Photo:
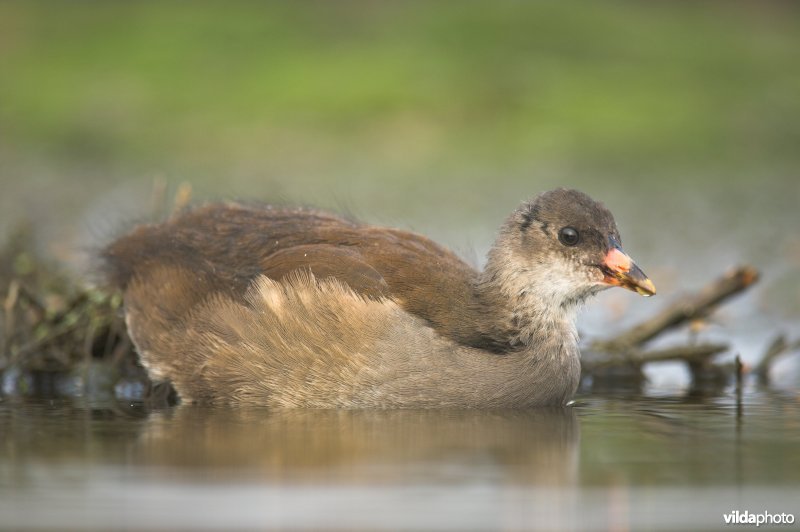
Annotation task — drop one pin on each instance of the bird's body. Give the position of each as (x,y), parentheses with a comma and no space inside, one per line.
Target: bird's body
(300,308)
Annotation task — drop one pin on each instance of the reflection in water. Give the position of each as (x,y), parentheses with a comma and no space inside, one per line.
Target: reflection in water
(533,446)
(286,468)
(645,463)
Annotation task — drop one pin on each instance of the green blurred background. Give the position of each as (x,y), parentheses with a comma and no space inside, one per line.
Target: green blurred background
(683,117)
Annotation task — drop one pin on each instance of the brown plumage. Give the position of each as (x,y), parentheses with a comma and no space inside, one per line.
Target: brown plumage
(296,307)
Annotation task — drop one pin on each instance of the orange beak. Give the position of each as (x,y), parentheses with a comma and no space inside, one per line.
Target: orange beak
(620,270)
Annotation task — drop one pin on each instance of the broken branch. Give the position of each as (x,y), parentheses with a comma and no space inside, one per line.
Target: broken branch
(689,308)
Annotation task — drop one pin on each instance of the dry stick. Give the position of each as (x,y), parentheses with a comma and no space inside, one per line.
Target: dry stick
(8,305)
(686,353)
(33,300)
(778,347)
(8,310)
(59,327)
(183,196)
(689,308)
(58,331)
(689,353)
(121,350)
(739,367)
(111,336)
(17,293)
(88,341)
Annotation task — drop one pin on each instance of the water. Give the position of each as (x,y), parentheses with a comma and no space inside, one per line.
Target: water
(606,463)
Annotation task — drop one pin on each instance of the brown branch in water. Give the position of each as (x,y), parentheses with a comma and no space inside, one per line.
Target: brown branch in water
(688,308)
(625,349)
(8,310)
(778,347)
(688,353)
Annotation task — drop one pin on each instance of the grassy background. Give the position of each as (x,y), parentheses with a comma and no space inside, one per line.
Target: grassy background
(682,116)
(612,85)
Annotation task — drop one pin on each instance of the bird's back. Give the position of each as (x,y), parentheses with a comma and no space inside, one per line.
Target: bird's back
(227,246)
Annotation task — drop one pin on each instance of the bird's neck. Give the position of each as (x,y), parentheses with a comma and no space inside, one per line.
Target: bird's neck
(526,302)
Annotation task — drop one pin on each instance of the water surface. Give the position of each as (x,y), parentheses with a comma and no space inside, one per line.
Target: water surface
(618,463)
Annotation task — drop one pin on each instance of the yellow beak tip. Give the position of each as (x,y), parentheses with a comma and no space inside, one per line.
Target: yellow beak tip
(646,288)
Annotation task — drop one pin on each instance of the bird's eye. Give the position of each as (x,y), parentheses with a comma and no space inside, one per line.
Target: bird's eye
(569,236)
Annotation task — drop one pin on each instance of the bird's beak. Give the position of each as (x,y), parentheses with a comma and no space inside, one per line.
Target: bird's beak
(620,270)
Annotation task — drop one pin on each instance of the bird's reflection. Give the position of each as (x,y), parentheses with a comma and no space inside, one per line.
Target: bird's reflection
(529,446)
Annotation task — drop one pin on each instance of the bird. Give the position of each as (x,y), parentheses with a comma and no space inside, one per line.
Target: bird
(249,304)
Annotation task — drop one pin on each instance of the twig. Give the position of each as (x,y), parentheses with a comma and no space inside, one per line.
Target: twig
(58,331)
(778,347)
(691,307)
(183,196)
(8,309)
(121,351)
(33,300)
(689,353)
(686,353)
(739,367)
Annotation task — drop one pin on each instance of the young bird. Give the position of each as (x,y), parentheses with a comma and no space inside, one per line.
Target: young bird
(290,307)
